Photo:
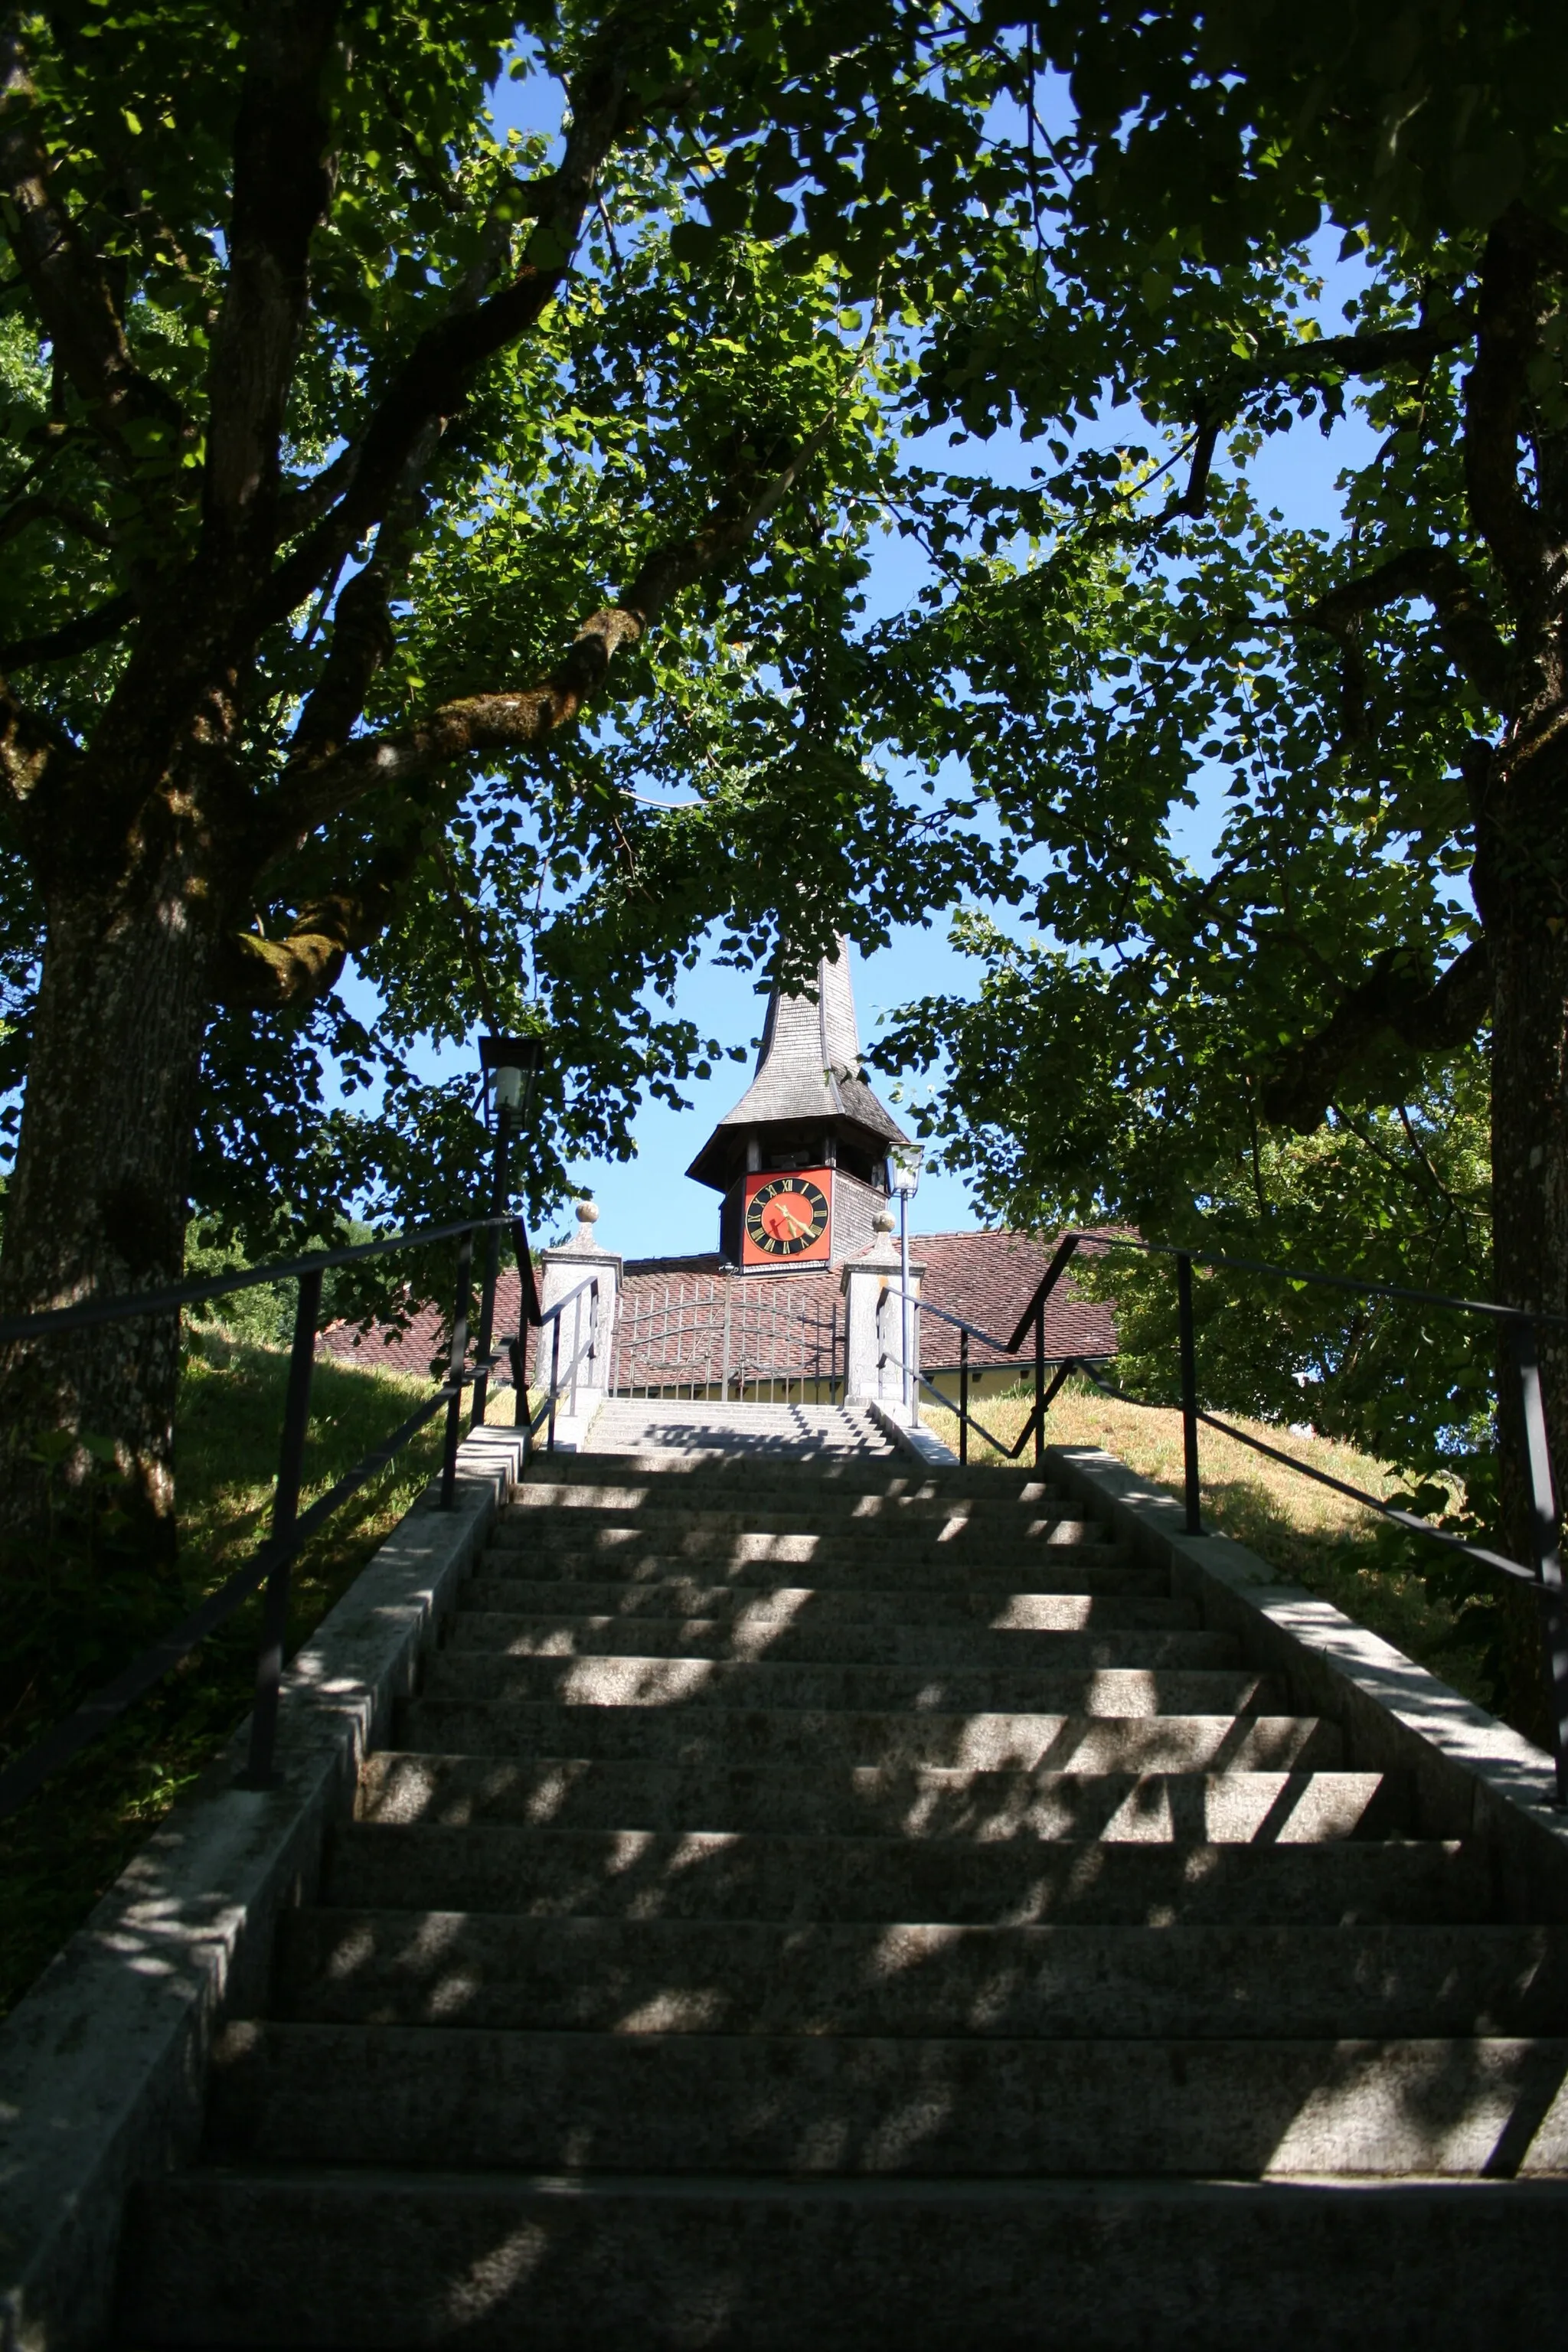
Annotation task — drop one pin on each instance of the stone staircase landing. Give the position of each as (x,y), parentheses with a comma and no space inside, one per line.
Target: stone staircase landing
(647,1426)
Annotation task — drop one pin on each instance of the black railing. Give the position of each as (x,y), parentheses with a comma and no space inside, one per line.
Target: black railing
(1546,1576)
(560,1383)
(722,1335)
(1034,1426)
(291,1529)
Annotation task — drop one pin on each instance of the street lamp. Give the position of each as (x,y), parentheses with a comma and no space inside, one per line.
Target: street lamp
(904,1178)
(514,1065)
(510,1070)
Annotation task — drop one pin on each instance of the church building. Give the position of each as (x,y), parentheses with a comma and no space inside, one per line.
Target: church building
(800,1166)
(800,1170)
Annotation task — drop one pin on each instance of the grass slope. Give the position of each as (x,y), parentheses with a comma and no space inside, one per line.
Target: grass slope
(69,1845)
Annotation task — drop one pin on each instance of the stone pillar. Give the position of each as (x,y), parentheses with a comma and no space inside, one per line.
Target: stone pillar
(874,1325)
(561,1271)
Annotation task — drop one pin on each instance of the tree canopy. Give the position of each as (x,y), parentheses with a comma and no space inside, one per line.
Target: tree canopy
(512,376)
(1376,702)
(1284,1040)
(401,511)
(398,507)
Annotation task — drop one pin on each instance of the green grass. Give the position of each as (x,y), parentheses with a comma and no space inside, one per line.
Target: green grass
(71,1841)
(1311,1536)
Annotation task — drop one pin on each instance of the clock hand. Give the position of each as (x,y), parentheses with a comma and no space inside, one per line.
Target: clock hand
(796,1224)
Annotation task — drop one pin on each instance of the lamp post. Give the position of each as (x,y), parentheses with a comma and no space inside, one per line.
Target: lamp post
(903,1177)
(514,1064)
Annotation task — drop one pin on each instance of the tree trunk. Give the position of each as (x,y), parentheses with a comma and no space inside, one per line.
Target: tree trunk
(97,1207)
(1528,937)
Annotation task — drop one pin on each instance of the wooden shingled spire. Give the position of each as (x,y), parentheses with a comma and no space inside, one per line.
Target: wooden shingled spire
(808,1091)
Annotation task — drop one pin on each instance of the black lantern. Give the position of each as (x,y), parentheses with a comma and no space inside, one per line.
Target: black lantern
(511,1064)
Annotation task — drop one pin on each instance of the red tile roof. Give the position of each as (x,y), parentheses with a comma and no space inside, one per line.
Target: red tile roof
(673,1313)
(986,1279)
(418,1350)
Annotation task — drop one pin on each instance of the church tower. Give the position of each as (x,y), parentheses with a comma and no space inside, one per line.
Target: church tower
(799,1160)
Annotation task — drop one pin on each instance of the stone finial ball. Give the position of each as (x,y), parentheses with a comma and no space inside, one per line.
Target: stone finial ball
(882,1223)
(587,1213)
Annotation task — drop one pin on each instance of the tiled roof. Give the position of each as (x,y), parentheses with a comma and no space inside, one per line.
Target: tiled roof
(986,1279)
(636,1269)
(425,1345)
(417,1349)
(673,1309)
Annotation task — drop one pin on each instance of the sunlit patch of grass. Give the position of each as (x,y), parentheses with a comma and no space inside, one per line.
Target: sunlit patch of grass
(69,1844)
(1311,1535)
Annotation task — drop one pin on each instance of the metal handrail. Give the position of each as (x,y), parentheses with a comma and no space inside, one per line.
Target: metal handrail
(967,1420)
(923,1306)
(1546,1574)
(1491,1307)
(1072,1241)
(559,1380)
(958,1323)
(972,1421)
(1320,1478)
(218,1285)
(291,1529)
(589,1282)
(1063,1366)
(21,1780)
(1035,1311)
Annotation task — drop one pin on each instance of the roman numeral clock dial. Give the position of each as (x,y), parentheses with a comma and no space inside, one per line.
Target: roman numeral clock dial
(786,1217)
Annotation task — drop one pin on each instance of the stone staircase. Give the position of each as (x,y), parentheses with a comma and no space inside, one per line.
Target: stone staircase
(827,1906)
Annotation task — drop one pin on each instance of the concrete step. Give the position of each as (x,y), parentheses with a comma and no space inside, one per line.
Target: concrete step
(900,1476)
(913,1802)
(786,1501)
(872,2104)
(891,1919)
(1091,1569)
(737,1414)
(818,1559)
(714,1874)
(357,2260)
(828,1979)
(641,1681)
(726,1535)
(775,1635)
(783,1503)
(721,1736)
(993,1609)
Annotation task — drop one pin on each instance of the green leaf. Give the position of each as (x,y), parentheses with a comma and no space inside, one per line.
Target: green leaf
(1487,180)
(694,243)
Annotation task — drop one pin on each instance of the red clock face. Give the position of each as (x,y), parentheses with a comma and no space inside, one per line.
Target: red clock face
(786,1218)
